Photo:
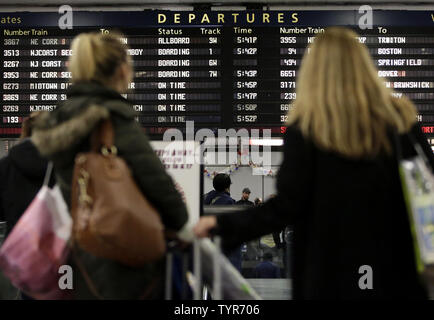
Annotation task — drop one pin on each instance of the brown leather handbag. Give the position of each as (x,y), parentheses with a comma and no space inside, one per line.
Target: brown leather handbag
(111,217)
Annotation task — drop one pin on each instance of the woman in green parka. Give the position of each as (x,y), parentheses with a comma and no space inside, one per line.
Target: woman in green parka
(101,70)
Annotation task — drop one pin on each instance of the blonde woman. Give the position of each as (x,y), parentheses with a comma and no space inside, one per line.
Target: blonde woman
(101,70)
(338,186)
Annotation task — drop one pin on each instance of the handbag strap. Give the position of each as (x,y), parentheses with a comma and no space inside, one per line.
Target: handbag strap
(102,136)
(419,150)
(397,143)
(48,173)
(415,144)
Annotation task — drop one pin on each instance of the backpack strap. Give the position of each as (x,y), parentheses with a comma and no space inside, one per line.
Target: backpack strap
(103,137)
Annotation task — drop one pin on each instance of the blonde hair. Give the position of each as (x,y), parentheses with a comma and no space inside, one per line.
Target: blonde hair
(96,56)
(342,105)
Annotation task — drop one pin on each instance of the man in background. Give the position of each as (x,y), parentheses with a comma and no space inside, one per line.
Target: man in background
(221,196)
(245,198)
(258,202)
(221,193)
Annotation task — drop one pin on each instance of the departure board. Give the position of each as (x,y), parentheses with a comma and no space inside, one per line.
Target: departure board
(229,69)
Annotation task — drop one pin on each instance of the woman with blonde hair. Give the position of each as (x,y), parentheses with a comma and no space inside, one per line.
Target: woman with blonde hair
(338,186)
(101,71)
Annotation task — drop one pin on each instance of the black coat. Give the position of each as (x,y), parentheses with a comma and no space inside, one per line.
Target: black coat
(245,203)
(345,214)
(22,174)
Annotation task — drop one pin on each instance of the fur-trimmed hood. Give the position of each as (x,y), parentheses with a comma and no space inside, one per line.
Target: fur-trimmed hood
(86,106)
(57,138)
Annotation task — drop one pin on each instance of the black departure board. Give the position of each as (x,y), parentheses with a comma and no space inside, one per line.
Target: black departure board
(229,69)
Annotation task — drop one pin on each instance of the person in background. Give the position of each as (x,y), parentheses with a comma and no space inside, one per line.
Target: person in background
(101,71)
(258,202)
(22,174)
(267,269)
(221,193)
(278,239)
(338,186)
(245,198)
(221,196)
(245,202)
(270,241)
(253,248)
(280,246)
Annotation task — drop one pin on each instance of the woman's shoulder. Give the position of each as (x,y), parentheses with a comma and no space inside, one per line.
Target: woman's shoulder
(83,95)
(58,130)
(74,119)
(120,108)
(95,106)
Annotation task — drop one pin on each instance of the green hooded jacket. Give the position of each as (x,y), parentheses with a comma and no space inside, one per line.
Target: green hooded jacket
(61,134)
